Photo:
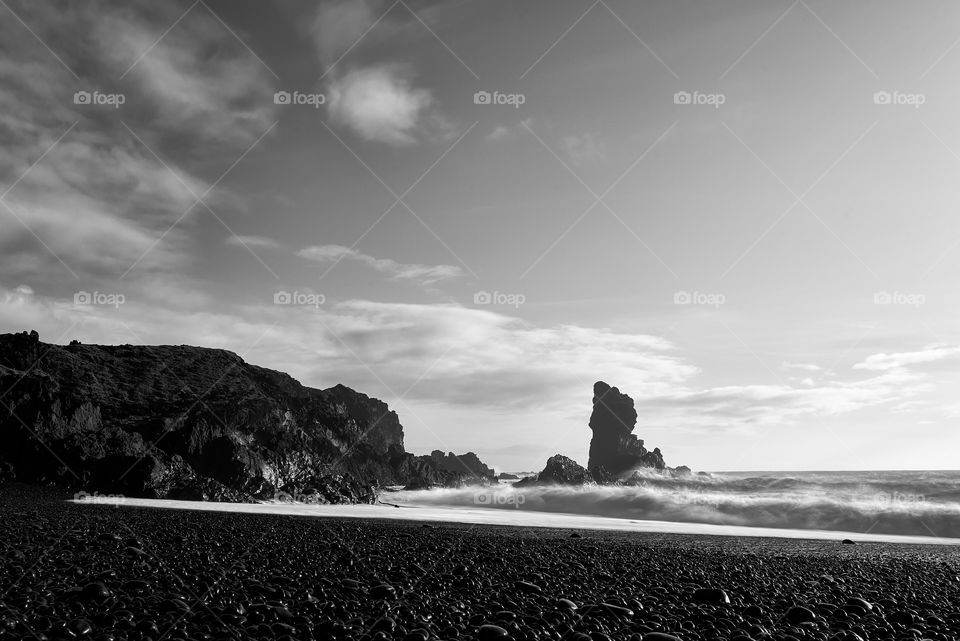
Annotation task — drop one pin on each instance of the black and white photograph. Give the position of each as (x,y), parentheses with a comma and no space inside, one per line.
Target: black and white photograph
(479,320)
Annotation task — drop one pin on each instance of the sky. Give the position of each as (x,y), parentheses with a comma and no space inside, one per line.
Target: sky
(744,214)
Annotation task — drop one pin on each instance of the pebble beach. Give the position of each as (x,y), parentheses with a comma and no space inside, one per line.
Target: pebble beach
(73,571)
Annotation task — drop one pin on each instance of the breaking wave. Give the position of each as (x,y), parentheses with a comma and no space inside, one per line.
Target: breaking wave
(899,503)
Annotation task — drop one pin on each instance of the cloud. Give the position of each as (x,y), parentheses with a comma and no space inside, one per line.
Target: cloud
(883,362)
(503,132)
(92,200)
(777,404)
(448,354)
(583,149)
(424,274)
(198,81)
(459,358)
(498,133)
(380,104)
(253,241)
(376,98)
(806,367)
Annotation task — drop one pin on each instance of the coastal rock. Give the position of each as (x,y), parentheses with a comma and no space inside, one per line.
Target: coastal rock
(469,465)
(196,423)
(614,447)
(560,470)
(614,450)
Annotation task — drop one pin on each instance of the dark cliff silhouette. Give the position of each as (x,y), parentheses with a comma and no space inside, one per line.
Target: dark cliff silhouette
(197,423)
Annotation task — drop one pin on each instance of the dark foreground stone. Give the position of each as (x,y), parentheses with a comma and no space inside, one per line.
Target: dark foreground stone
(105,572)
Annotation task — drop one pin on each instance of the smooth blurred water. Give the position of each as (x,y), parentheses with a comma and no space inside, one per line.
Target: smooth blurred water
(898,503)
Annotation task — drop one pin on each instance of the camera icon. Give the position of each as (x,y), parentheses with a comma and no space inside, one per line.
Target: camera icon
(882,298)
(281,98)
(681,298)
(882,98)
(482,98)
(81,98)
(282,298)
(682,98)
(482,298)
(82,298)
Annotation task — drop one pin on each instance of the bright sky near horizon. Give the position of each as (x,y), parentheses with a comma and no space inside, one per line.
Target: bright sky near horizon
(744,214)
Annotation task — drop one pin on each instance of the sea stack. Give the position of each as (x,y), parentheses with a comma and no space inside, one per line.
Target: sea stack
(614,449)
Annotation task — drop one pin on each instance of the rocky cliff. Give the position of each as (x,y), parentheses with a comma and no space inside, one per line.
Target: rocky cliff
(191,422)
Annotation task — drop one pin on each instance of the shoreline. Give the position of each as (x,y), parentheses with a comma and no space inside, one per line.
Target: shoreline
(508,517)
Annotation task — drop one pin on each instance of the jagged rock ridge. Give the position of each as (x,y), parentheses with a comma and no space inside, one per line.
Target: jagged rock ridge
(192,422)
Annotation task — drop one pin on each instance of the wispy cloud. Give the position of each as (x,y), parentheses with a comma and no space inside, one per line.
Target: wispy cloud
(196,82)
(462,357)
(805,367)
(933,353)
(583,149)
(253,241)
(424,274)
(498,133)
(116,187)
(505,132)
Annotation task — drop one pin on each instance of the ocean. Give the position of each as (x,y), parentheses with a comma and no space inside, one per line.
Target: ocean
(914,503)
(906,507)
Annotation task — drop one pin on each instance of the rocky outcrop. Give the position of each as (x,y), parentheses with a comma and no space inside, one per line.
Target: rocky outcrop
(469,465)
(559,470)
(191,422)
(614,449)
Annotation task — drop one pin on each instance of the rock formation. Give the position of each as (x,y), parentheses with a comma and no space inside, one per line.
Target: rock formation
(198,423)
(559,470)
(614,449)
(468,464)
